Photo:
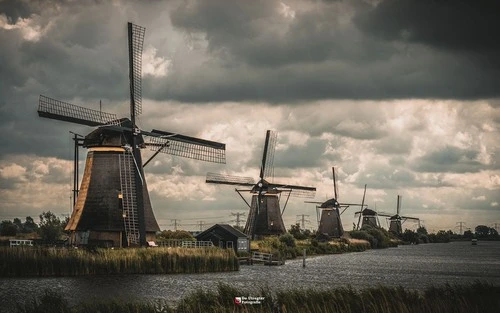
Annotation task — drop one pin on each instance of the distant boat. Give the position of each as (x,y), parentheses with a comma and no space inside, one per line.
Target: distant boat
(474,241)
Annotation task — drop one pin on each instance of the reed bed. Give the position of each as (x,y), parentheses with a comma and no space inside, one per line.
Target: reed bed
(16,262)
(473,298)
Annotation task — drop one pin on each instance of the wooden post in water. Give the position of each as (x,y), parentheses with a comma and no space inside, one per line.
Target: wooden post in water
(304,258)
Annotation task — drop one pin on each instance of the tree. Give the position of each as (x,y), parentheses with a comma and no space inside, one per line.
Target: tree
(482,230)
(51,227)
(177,235)
(29,225)
(422,230)
(298,233)
(19,224)
(7,228)
(468,234)
(410,236)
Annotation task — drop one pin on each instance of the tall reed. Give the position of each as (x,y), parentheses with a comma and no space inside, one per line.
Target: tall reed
(74,262)
(473,298)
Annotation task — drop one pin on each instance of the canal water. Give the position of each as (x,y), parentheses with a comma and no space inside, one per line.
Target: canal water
(413,267)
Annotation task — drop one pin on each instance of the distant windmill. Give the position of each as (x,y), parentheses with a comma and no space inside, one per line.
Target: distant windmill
(265,217)
(330,224)
(396,221)
(113,205)
(367,217)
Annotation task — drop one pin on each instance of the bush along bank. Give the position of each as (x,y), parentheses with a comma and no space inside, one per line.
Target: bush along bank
(378,237)
(33,261)
(286,246)
(474,298)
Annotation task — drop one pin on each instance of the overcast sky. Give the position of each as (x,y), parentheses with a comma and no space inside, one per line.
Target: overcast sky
(400,95)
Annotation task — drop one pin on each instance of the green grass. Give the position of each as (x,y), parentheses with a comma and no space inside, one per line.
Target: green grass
(473,298)
(29,261)
(293,250)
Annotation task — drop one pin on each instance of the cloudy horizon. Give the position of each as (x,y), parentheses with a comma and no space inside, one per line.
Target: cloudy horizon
(400,95)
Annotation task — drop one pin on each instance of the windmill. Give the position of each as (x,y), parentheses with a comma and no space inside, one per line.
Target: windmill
(396,221)
(367,217)
(330,224)
(265,217)
(113,206)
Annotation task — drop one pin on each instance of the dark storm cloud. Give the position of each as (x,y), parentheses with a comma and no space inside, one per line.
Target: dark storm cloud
(15,9)
(73,59)
(449,159)
(451,25)
(258,54)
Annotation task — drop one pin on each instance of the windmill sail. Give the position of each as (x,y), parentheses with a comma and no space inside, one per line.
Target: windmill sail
(136,40)
(188,147)
(296,191)
(214,178)
(63,111)
(268,155)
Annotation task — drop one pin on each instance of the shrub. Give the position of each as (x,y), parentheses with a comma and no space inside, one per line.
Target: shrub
(288,240)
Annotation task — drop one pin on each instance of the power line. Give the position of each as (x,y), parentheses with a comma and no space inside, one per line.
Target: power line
(175,223)
(302,220)
(237,220)
(460,225)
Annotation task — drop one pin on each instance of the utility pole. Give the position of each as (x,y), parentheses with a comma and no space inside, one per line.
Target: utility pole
(302,219)
(200,223)
(175,223)
(237,220)
(460,225)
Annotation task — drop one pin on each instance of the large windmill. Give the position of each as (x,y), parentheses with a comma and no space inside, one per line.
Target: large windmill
(265,217)
(113,205)
(330,224)
(396,221)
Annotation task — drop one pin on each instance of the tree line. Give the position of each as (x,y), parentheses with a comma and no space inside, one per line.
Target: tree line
(49,229)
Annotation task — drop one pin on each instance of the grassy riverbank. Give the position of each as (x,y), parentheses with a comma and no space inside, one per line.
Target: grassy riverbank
(32,261)
(287,247)
(474,298)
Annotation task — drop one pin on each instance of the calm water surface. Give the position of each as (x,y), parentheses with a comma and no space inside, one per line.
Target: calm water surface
(414,267)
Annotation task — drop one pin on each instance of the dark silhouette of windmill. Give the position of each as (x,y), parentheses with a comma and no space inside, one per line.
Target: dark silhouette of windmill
(265,217)
(113,205)
(396,221)
(367,217)
(330,224)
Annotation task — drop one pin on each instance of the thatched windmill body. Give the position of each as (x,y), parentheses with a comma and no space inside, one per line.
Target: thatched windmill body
(113,205)
(330,223)
(265,216)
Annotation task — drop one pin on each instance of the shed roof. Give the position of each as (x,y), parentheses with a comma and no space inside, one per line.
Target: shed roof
(227,228)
